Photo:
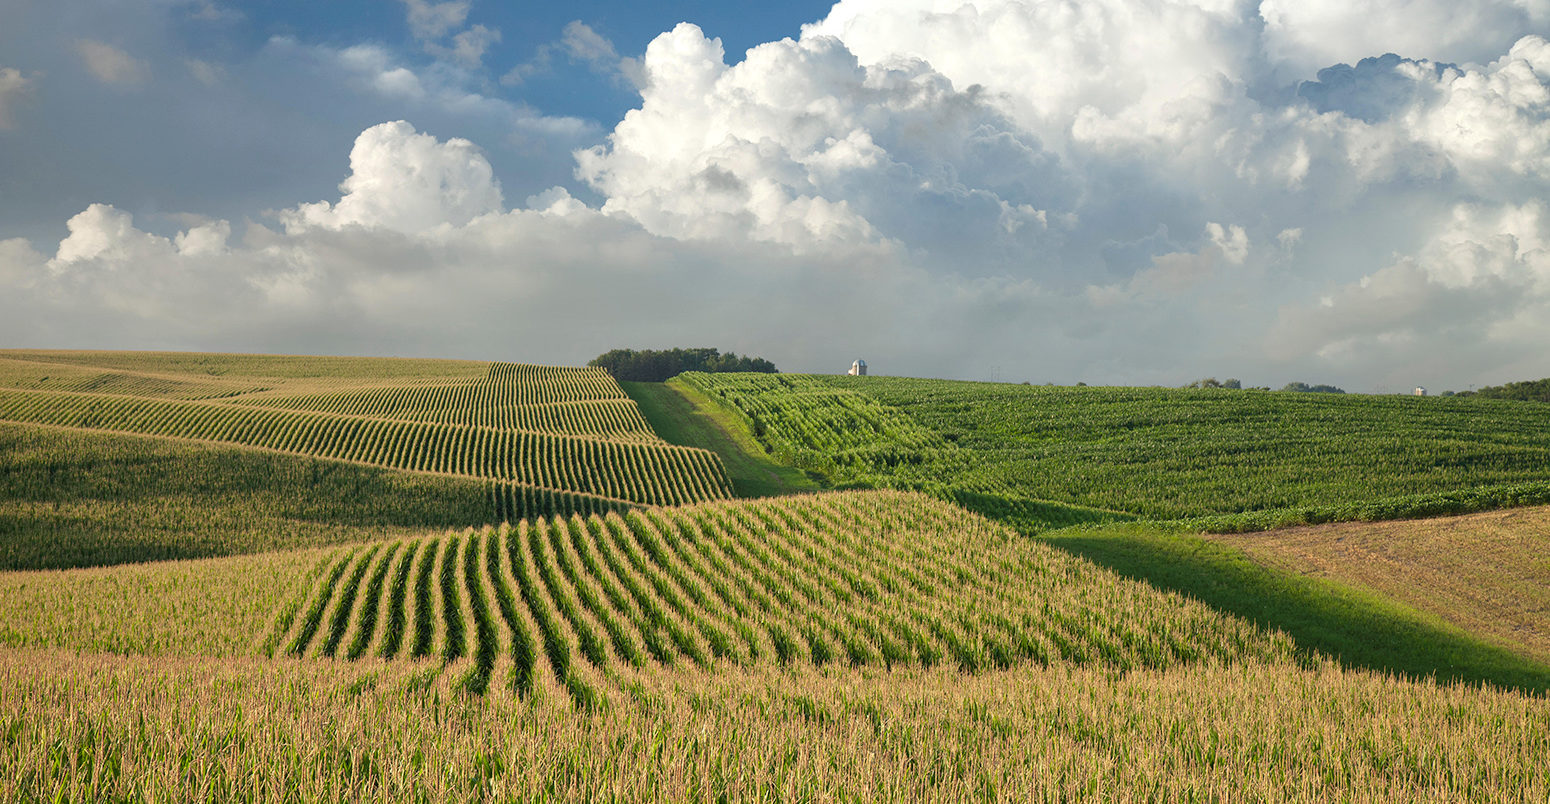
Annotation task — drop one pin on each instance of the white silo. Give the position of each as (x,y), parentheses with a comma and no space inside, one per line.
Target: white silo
(858,369)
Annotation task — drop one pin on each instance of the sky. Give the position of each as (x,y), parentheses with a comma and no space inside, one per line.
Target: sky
(1112,191)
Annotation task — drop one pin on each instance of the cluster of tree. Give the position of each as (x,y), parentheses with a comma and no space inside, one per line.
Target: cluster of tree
(1233,383)
(1527,391)
(1312,389)
(654,365)
(1212,382)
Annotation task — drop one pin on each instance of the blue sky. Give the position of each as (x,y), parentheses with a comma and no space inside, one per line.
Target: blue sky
(146,167)
(1116,191)
(525,29)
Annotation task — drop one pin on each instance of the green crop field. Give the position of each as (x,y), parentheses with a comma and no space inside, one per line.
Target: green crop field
(884,579)
(268,578)
(1153,453)
(77,498)
(877,645)
(304,450)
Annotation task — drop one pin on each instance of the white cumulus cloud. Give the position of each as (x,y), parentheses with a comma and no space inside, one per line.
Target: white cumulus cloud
(408,182)
(1310,34)
(1135,191)
(801,145)
(13,86)
(110,65)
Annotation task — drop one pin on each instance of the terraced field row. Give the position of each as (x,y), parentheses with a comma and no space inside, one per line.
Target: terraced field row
(615,419)
(852,439)
(636,473)
(814,415)
(860,578)
(269,369)
(42,376)
(1153,453)
(513,501)
(549,399)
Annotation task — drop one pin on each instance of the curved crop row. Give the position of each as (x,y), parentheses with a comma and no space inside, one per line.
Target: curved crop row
(564,401)
(20,372)
(859,578)
(1052,456)
(649,474)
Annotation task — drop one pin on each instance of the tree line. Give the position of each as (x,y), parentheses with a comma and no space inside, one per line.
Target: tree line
(654,365)
(1234,384)
(1527,391)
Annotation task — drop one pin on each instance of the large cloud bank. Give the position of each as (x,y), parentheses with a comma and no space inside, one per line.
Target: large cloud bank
(1109,191)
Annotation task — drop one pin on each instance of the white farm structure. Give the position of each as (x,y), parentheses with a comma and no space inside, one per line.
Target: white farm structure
(857,369)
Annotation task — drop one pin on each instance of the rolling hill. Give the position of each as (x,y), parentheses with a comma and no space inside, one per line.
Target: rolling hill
(1044,457)
(383,442)
(405,580)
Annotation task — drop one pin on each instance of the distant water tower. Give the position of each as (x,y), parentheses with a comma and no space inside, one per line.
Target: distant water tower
(857,369)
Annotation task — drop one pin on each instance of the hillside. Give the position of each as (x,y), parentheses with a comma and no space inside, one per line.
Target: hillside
(681,415)
(192,728)
(1485,573)
(1186,461)
(879,645)
(373,442)
(875,645)
(856,579)
(1143,452)
(80,498)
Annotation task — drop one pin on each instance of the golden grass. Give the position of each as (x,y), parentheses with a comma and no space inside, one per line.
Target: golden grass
(85,728)
(213,607)
(1488,573)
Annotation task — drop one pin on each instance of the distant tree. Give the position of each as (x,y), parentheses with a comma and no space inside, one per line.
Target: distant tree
(654,365)
(1526,391)
(1303,387)
(1212,382)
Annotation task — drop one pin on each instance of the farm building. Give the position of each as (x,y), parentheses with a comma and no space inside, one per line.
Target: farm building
(857,369)
(1420,391)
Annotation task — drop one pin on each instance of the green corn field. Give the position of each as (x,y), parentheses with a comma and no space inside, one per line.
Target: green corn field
(271,578)
(461,443)
(854,579)
(1046,457)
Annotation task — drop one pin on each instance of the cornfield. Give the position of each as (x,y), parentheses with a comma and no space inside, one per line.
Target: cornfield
(94,728)
(555,440)
(598,623)
(853,579)
(1048,457)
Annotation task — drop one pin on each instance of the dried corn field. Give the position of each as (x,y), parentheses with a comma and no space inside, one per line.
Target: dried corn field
(859,645)
(94,728)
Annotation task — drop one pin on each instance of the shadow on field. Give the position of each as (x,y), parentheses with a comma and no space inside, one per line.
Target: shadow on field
(1358,628)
